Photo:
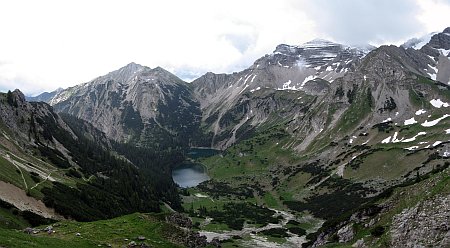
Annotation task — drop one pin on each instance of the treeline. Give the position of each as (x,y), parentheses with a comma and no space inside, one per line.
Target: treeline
(115,186)
(346,196)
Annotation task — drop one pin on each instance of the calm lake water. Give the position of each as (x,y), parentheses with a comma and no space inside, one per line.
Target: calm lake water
(191,174)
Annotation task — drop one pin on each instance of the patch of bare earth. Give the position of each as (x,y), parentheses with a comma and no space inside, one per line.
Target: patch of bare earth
(17,197)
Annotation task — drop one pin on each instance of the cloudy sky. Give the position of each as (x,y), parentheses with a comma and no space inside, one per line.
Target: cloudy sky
(49,44)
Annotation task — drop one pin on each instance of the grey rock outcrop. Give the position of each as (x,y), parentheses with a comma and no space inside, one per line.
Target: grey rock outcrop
(194,239)
(425,225)
(30,121)
(346,233)
(179,220)
(439,49)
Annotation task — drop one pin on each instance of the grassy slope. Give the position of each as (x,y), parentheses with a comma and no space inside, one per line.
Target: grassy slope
(9,220)
(10,173)
(253,162)
(113,232)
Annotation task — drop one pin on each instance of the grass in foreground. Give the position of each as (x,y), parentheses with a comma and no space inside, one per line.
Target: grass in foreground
(117,232)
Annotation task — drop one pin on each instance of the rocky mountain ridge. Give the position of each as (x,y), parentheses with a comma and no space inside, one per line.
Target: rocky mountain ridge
(354,87)
(304,68)
(134,104)
(438,48)
(218,103)
(321,129)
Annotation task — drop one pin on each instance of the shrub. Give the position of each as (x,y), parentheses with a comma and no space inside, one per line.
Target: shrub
(377,231)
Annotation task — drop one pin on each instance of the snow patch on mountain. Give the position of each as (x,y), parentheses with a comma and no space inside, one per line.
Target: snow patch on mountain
(410,121)
(434,122)
(420,111)
(436,143)
(412,148)
(394,139)
(388,119)
(253,90)
(433,73)
(308,78)
(413,138)
(437,103)
(245,87)
(444,52)
(288,86)
(386,141)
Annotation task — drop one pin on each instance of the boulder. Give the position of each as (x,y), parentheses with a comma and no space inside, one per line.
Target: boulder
(28,230)
(346,233)
(179,220)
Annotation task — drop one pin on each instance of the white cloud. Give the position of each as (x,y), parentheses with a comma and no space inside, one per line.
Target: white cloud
(57,43)
(434,14)
(49,44)
(368,21)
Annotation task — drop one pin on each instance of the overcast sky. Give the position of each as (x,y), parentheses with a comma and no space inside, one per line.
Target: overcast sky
(49,44)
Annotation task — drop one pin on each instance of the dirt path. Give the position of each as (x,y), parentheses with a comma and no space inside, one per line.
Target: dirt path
(28,166)
(46,178)
(18,168)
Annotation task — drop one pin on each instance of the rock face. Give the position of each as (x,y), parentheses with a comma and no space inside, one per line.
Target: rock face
(135,104)
(223,97)
(438,48)
(379,86)
(231,104)
(30,121)
(425,225)
(306,85)
(346,233)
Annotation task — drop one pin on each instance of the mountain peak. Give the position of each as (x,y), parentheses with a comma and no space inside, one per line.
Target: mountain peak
(312,44)
(447,30)
(132,67)
(125,73)
(18,94)
(319,43)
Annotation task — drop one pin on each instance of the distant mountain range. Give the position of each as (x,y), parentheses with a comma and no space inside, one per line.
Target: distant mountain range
(348,123)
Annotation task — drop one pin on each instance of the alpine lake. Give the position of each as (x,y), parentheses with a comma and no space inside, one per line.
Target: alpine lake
(190,174)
